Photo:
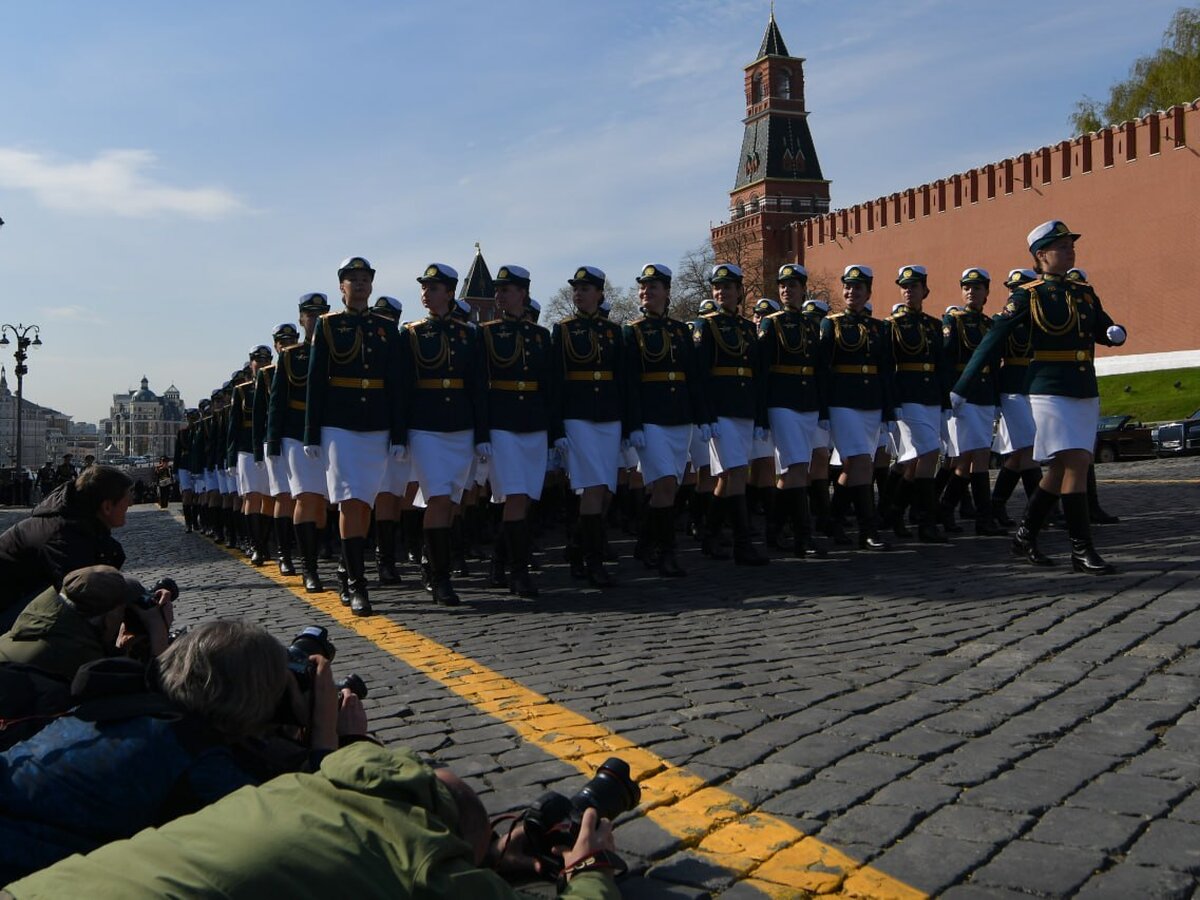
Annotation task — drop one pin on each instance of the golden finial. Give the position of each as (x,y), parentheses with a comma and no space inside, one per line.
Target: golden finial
(477,250)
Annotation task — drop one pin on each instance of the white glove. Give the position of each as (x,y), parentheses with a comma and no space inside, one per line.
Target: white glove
(714,430)
(705,432)
(483,450)
(637,439)
(1116,334)
(760,434)
(561,446)
(399,452)
(260,464)
(956,402)
(312,451)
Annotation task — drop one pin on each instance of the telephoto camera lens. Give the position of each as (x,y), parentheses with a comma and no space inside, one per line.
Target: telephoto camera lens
(357,686)
(312,641)
(611,791)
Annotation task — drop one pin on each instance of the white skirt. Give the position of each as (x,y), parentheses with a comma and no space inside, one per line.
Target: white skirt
(305,476)
(627,458)
(666,452)
(518,464)
(763,449)
(1063,423)
(919,431)
(277,476)
(971,428)
(1016,429)
(794,433)
(855,431)
(699,454)
(396,475)
(211,482)
(731,449)
(228,480)
(355,463)
(441,462)
(186,482)
(592,452)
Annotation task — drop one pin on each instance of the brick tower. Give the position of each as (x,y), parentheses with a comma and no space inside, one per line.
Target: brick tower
(779,182)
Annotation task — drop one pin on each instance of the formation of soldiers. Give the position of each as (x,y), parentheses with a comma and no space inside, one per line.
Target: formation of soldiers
(417,439)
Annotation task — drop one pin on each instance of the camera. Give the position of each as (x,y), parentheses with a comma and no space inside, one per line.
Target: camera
(166,583)
(554,820)
(314,641)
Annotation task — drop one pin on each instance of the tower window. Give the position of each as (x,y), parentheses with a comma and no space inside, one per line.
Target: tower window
(756,88)
(785,84)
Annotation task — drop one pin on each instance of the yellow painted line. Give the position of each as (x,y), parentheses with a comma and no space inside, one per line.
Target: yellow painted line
(1148,480)
(715,825)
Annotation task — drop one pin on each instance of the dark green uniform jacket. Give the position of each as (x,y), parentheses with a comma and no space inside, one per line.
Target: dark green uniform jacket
(289,389)
(373,824)
(730,375)
(660,367)
(262,400)
(240,425)
(789,345)
(1065,321)
(588,351)
(920,363)
(856,353)
(354,376)
(517,364)
(440,378)
(1014,364)
(963,331)
(196,448)
(183,439)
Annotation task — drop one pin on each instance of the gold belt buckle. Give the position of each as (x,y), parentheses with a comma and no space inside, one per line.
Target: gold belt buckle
(445,382)
(365,382)
(520,385)
(926,367)
(670,376)
(741,371)
(595,376)
(866,369)
(1081,355)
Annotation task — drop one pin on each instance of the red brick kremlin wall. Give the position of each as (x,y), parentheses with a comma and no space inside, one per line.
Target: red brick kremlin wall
(1132,190)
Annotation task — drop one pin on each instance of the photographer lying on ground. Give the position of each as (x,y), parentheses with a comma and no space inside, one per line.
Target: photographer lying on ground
(372,823)
(159,743)
(70,529)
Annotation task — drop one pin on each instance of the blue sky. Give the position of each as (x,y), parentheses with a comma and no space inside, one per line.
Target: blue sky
(174,176)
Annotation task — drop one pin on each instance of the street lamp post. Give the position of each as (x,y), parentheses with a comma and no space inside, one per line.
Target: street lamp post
(24,342)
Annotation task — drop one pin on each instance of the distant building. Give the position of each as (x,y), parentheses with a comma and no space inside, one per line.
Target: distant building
(479,290)
(41,429)
(142,423)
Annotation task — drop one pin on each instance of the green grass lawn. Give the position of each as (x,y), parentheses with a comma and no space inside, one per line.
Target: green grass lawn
(1151,396)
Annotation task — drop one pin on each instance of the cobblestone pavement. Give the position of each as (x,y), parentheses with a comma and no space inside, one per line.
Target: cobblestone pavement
(938,721)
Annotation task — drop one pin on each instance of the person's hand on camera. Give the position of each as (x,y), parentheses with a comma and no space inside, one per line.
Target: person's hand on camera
(155,622)
(595,835)
(323,727)
(352,718)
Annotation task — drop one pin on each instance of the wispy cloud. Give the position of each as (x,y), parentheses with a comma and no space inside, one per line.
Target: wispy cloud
(115,182)
(73,314)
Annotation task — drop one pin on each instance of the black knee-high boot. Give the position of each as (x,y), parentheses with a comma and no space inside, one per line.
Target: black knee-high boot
(354,551)
(864,511)
(412,534)
(438,540)
(385,551)
(744,551)
(498,565)
(306,536)
(837,509)
(1024,542)
(662,525)
(1006,481)
(517,536)
(795,501)
(710,545)
(954,490)
(284,535)
(1084,557)
(925,492)
(981,492)
(1030,479)
(818,502)
(591,536)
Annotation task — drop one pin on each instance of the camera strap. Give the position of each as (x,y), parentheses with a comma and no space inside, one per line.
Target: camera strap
(600,861)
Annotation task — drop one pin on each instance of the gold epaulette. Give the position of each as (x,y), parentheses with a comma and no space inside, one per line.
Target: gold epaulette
(1029,285)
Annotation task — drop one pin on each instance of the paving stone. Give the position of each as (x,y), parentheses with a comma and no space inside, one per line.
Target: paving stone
(1025,790)
(972,823)
(1169,844)
(692,870)
(1086,828)
(764,780)
(1189,809)
(1172,765)
(932,863)
(817,799)
(1129,794)
(652,841)
(1127,881)
(916,794)
(1039,868)
(919,743)
(817,750)
(869,826)
(642,888)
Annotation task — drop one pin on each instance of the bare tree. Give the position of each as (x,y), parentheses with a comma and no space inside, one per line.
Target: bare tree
(624,302)
(689,286)
(743,250)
